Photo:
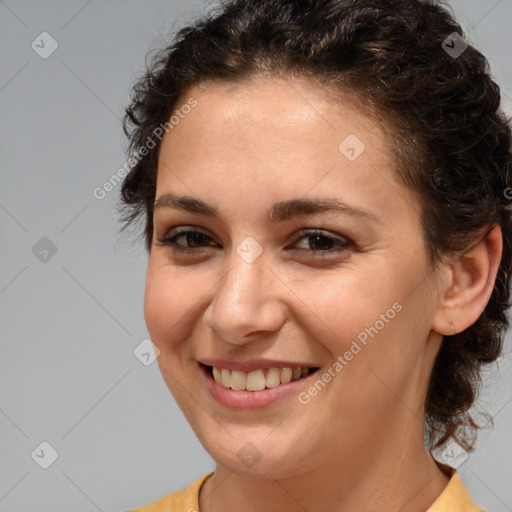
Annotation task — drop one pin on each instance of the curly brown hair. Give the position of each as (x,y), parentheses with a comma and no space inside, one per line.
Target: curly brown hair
(452,143)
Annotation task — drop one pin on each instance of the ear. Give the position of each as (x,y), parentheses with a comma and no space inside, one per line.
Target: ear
(467,284)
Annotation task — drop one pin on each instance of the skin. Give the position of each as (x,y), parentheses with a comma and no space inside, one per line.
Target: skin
(358,444)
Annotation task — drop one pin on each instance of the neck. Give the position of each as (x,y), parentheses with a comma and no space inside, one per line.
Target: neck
(397,476)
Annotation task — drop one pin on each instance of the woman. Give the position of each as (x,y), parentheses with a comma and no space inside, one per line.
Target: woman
(329,235)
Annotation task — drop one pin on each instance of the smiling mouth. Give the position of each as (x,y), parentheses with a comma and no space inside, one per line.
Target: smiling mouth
(257,380)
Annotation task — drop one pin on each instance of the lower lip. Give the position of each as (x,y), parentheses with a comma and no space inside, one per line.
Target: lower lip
(251,399)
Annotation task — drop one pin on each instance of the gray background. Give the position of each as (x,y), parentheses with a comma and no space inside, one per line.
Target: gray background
(69,325)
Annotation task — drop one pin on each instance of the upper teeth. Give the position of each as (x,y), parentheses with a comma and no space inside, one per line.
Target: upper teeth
(257,380)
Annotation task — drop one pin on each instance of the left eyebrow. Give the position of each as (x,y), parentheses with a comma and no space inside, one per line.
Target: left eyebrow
(279,212)
(286,210)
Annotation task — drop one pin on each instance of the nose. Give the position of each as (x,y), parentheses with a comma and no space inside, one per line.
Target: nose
(245,302)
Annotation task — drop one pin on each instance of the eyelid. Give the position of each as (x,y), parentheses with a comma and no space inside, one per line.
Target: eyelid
(320,232)
(185,229)
(177,231)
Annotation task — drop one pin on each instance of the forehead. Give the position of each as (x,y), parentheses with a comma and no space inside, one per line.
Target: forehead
(277,104)
(273,137)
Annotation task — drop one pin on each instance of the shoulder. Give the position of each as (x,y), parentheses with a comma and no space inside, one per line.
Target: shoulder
(455,498)
(186,500)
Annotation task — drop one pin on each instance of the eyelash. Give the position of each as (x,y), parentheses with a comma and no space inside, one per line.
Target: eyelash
(342,244)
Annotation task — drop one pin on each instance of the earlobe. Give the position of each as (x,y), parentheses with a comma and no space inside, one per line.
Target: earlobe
(469,285)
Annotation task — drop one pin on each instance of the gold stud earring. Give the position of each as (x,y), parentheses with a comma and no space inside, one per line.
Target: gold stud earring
(453,329)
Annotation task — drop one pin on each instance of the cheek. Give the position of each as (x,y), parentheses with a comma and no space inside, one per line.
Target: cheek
(367,314)
(168,310)
(343,303)
(167,300)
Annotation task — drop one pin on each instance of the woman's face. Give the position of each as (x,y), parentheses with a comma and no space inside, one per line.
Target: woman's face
(304,251)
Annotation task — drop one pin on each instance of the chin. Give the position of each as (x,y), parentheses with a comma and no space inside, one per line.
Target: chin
(258,456)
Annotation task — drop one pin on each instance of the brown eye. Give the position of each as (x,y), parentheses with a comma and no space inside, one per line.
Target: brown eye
(186,240)
(321,243)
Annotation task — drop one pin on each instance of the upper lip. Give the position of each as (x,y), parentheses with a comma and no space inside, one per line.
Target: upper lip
(254,364)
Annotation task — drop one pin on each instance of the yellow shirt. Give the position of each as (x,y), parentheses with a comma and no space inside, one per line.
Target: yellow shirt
(454,498)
